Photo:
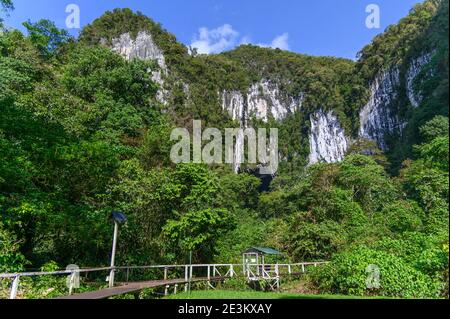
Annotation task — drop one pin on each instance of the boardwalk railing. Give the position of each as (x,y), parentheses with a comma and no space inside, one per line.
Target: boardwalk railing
(208,271)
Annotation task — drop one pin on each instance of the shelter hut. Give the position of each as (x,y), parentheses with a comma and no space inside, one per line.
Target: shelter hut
(255,262)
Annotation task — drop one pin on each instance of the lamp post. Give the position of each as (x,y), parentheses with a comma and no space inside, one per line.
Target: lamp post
(118,218)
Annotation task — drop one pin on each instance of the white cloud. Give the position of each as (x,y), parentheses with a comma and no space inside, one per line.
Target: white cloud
(280,42)
(245,40)
(215,40)
(224,38)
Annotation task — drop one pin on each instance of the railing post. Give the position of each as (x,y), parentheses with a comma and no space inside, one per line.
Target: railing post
(71,282)
(191,272)
(289,269)
(277,273)
(175,289)
(166,292)
(303,268)
(128,274)
(165,273)
(186,277)
(209,276)
(231,271)
(14,287)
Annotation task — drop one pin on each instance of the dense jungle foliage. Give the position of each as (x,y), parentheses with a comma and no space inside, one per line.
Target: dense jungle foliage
(424,30)
(82,134)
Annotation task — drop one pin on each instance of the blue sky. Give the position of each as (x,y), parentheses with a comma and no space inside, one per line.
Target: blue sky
(316,27)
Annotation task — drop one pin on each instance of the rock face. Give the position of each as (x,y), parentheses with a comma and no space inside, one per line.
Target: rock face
(379,117)
(327,140)
(262,100)
(234,103)
(265,99)
(238,152)
(414,70)
(143,48)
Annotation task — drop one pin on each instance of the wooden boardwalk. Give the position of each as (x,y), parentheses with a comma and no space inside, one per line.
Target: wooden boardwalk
(214,272)
(134,287)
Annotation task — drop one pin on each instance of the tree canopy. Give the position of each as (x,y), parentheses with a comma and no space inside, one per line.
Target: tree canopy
(82,133)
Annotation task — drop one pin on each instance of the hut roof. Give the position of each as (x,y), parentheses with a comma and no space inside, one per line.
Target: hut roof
(262,250)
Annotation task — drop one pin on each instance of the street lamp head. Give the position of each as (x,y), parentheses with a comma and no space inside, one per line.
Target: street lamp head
(118,217)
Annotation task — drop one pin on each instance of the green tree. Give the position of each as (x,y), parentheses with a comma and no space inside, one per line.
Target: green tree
(399,217)
(46,36)
(437,127)
(11,260)
(5,6)
(239,191)
(430,188)
(156,146)
(368,181)
(198,231)
(435,153)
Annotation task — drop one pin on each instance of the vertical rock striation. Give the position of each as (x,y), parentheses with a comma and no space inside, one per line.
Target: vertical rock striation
(379,116)
(143,48)
(415,68)
(328,142)
(265,99)
(262,101)
(233,103)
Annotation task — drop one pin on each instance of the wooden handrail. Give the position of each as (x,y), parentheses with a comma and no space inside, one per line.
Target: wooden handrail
(88,270)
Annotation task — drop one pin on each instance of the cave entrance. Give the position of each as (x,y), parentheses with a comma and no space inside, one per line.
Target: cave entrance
(266,180)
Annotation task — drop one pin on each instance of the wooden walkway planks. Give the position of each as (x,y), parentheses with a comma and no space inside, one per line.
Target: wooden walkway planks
(138,286)
(132,287)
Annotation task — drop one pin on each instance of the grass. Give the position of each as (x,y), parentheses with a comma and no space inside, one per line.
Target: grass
(229,294)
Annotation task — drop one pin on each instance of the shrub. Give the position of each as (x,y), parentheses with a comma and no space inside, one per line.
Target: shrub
(11,260)
(236,284)
(347,274)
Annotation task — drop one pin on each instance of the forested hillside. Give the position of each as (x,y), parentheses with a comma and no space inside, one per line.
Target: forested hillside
(85,129)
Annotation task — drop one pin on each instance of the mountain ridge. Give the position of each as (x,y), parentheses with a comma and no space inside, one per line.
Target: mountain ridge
(86,125)
(251,84)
